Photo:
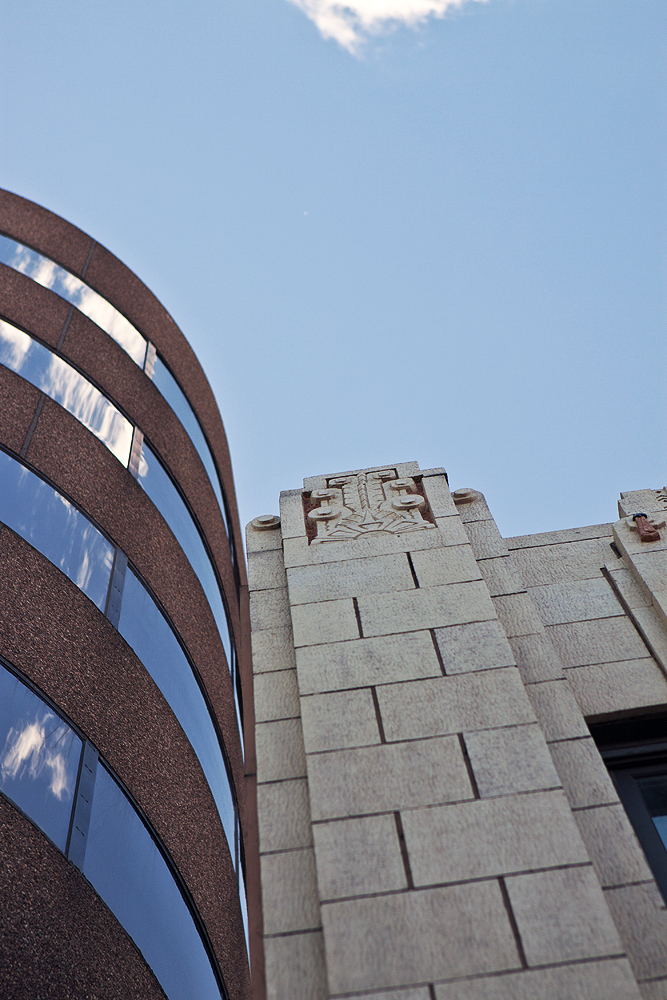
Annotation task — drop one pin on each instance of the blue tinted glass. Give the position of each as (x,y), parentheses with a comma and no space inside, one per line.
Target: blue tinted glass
(66,386)
(167,499)
(73,290)
(128,871)
(36,512)
(39,758)
(176,398)
(146,630)
(244,907)
(654,791)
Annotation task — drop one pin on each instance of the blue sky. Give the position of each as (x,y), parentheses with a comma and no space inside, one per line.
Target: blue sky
(446,247)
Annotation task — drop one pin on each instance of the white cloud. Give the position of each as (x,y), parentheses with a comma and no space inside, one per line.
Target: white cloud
(350,22)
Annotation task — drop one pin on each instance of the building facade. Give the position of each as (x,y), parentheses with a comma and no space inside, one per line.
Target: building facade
(125,831)
(461,746)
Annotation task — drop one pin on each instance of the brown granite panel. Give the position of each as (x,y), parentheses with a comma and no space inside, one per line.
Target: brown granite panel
(18,400)
(60,640)
(31,307)
(33,225)
(76,462)
(92,351)
(58,941)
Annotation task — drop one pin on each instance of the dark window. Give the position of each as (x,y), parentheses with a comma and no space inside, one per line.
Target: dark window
(635,751)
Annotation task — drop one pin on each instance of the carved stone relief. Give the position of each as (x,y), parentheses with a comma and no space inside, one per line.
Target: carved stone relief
(366,502)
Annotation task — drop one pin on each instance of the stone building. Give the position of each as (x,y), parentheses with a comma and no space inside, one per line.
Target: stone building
(125,829)
(461,746)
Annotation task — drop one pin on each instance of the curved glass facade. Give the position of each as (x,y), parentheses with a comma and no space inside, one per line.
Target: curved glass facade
(40,761)
(93,305)
(51,524)
(61,382)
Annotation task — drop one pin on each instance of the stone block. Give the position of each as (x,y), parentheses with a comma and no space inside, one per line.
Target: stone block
(416,993)
(289,892)
(262,541)
(501,576)
(652,570)
(431,607)
(276,696)
(616,687)
(488,837)
(269,609)
(477,510)
(561,916)
(517,615)
(485,539)
(548,564)
(639,914)
(358,857)
(438,496)
(273,649)
(557,711)
(506,761)
(601,641)
(387,778)
(409,937)
(558,537)
(611,979)
(581,600)
(292,517)
(612,845)
(631,590)
(280,752)
(329,621)
(367,662)
(295,967)
(451,531)
(655,990)
(266,570)
(283,809)
(449,564)
(630,544)
(482,700)
(349,578)
(536,658)
(583,773)
(476,646)
(338,720)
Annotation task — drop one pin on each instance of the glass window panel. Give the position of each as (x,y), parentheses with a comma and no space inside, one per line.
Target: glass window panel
(126,868)
(73,290)
(177,399)
(45,519)
(45,370)
(654,792)
(146,630)
(162,491)
(39,758)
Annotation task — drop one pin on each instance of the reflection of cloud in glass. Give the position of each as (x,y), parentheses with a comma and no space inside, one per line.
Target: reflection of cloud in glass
(33,750)
(14,346)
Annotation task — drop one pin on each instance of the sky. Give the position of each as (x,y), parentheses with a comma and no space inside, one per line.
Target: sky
(392,230)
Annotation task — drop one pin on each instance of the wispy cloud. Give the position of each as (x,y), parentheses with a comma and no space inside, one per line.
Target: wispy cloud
(351,22)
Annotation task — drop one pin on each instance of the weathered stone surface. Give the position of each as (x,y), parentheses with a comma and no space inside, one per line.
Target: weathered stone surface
(266,570)
(485,539)
(261,541)
(612,845)
(561,916)
(536,658)
(556,709)
(581,600)
(509,760)
(583,773)
(338,720)
(273,649)
(450,564)
(280,752)
(289,892)
(283,808)
(655,990)
(269,609)
(329,621)
(295,967)
(501,576)
(641,918)
(430,607)
(615,687)
(480,839)
(276,696)
(469,701)
(558,537)
(601,641)
(476,646)
(611,979)
(366,662)
(358,857)
(387,778)
(547,564)
(349,578)
(517,615)
(413,937)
